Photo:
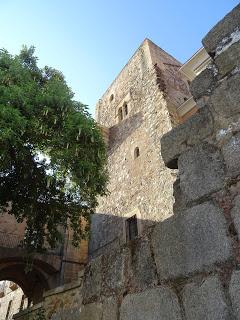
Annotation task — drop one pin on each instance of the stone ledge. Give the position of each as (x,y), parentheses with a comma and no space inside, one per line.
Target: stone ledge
(64,288)
(27,311)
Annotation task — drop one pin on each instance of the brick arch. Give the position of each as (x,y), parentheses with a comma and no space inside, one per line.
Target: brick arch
(42,277)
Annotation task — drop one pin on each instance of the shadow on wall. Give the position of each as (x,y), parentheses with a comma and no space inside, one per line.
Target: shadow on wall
(108,231)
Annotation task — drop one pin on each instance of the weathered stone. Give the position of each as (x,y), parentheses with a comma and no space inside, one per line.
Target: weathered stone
(114,271)
(92,311)
(225,98)
(92,283)
(205,301)
(154,304)
(235,212)
(222,30)
(143,270)
(201,171)
(202,84)
(193,131)
(191,242)
(234,290)
(228,59)
(67,314)
(231,154)
(110,309)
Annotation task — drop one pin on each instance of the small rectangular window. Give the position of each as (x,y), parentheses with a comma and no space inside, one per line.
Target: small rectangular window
(131,228)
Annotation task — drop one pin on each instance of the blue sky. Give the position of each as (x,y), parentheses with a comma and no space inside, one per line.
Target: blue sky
(90,41)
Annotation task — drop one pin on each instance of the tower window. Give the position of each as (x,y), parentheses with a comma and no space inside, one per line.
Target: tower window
(125,108)
(136,153)
(120,114)
(131,228)
(111,98)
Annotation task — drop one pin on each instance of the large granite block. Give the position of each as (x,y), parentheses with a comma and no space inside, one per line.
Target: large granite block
(110,309)
(92,283)
(191,242)
(143,270)
(222,30)
(179,139)
(234,290)
(115,266)
(155,304)
(202,84)
(228,59)
(231,154)
(225,98)
(92,311)
(205,301)
(201,171)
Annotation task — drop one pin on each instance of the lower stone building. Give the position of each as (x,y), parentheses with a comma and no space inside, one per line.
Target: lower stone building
(185,264)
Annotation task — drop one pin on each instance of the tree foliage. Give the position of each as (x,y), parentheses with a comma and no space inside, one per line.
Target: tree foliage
(52,155)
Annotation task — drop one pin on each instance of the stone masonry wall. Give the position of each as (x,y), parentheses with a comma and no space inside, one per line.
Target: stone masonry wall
(141,186)
(186,267)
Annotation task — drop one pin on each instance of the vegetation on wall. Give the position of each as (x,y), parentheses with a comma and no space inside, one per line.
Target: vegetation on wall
(52,154)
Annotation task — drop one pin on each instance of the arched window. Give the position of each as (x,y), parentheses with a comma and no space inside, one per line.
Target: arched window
(136,153)
(120,114)
(111,98)
(125,108)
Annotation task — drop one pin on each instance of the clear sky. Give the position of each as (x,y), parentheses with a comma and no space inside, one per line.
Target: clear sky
(90,41)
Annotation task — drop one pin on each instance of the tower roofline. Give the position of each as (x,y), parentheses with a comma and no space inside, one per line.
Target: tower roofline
(146,42)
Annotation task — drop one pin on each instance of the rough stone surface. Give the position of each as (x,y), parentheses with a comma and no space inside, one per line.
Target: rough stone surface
(110,309)
(202,84)
(201,171)
(191,242)
(222,30)
(235,212)
(234,289)
(194,130)
(114,271)
(225,98)
(143,270)
(205,301)
(231,154)
(92,284)
(228,59)
(91,311)
(155,304)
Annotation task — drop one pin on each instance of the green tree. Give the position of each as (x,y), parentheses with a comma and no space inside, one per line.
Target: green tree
(52,154)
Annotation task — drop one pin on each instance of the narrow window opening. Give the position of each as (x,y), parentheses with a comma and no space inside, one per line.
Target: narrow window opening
(131,228)
(136,153)
(120,114)
(125,106)
(111,98)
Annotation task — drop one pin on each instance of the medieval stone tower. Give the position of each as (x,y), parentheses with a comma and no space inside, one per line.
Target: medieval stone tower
(137,109)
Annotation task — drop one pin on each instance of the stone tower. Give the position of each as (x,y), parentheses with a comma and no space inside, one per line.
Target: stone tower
(137,109)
